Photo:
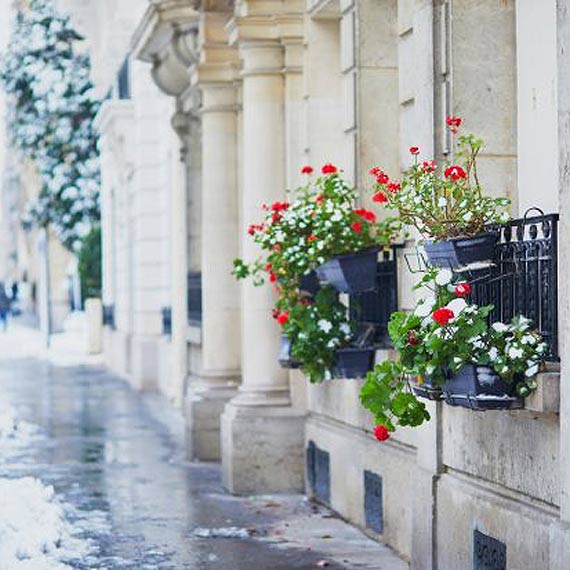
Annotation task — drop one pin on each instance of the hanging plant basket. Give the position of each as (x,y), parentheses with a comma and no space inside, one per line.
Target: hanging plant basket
(481,388)
(284,357)
(354,362)
(427,390)
(352,272)
(458,252)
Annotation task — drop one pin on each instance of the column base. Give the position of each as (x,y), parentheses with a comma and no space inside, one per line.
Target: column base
(204,404)
(117,351)
(144,363)
(262,449)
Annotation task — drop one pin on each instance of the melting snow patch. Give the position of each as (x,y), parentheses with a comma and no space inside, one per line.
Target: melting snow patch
(227,532)
(34,532)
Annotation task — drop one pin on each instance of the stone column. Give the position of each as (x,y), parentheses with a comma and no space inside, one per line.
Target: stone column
(262,435)
(215,383)
(560,534)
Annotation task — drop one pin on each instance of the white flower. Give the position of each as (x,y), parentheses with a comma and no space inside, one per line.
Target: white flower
(442,202)
(328,375)
(500,327)
(528,339)
(344,328)
(332,343)
(325,325)
(467,216)
(532,371)
(424,308)
(457,306)
(336,217)
(493,353)
(443,277)
(457,360)
(514,352)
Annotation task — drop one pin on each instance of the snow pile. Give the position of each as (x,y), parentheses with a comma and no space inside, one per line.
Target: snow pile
(33,528)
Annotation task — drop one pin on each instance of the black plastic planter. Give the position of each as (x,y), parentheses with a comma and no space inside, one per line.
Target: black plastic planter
(458,252)
(427,390)
(351,273)
(309,283)
(354,362)
(284,357)
(480,388)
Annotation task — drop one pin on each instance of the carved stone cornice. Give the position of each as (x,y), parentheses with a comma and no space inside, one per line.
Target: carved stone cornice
(166,37)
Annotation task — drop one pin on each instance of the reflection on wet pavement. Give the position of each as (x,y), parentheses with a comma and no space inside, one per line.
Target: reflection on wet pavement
(125,476)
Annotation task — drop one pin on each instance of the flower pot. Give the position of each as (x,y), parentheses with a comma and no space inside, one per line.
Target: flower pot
(284,357)
(481,388)
(354,362)
(352,272)
(309,283)
(427,390)
(458,252)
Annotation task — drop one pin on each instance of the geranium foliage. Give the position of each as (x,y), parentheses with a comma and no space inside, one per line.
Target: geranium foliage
(52,107)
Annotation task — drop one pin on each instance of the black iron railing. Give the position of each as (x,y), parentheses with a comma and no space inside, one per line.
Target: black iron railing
(375,307)
(524,278)
(195,297)
(166,321)
(109,316)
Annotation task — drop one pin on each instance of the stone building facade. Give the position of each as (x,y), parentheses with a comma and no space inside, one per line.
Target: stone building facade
(214,106)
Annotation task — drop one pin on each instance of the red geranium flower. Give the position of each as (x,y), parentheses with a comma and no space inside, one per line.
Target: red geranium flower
(379,198)
(375,171)
(311,238)
(329,168)
(272,277)
(357,227)
(443,316)
(462,289)
(366,214)
(268,266)
(428,166)
(276,247)
(455,173)
(319,199)
(394,187)
(283,318)
(307,170)
(251,230)
(414,150)
(413,339)
(453,123)
(275,313)
(381,433)
(276,217)
(382,178)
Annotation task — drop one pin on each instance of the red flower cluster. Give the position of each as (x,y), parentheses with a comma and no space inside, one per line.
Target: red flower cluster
(279,206)
(307,170)
(254,228)
(462,289)
(356,227)
(428,166)
(311,238)
(381,433)
(443,316)
(319,199)
(413,339)
(414,150)
(272,277)
(379,198)
(283,317)
(455,173)
(453,123)
(329,168)
(366,214)
(394,187)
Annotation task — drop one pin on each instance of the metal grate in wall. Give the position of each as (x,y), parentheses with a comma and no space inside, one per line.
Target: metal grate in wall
(373,502)
(166,321)
(195,297)
(488,552)
(124,81)
(109,316)
(318,472)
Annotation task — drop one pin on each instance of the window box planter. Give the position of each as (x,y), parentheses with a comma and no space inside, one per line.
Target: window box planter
(427,390)
(480,388)
(354,362)
(352,272)
(458,252)
(284,356)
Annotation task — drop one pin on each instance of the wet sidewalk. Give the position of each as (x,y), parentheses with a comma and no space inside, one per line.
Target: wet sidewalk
(116,462)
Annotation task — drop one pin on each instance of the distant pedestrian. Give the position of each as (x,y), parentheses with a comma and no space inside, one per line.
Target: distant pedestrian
(4,307)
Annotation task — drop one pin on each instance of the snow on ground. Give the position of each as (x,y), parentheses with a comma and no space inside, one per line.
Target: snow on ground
(35,532)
